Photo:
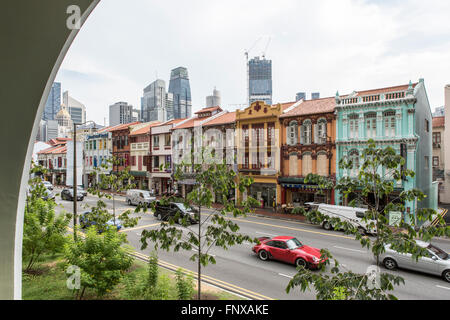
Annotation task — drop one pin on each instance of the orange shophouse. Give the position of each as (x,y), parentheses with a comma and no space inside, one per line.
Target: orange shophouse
(258,147)
(308,138)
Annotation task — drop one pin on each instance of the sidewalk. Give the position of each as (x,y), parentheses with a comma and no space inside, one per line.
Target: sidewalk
(270,213)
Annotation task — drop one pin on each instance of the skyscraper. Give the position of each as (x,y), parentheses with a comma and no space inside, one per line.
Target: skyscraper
(181,90)
(214,100)
(260,80)
(76,109)
(153,103)
(120,113)
(53,103)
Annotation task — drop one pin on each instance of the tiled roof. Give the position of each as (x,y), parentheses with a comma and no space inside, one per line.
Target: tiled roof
(382,90)
(228,117)
(124,126)
(285,105)
(54,150)
(144,129)
(209,109)
(191,123)
(323,105)
(58,141)
(438,122)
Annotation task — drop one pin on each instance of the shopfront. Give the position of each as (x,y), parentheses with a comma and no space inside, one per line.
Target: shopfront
(297,193)
(265,193)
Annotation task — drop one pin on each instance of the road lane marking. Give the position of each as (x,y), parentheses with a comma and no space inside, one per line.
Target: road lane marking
(349,249)
(296,229)
(447,288)
(284,275)
(141,227)
(209,279)
(265,233)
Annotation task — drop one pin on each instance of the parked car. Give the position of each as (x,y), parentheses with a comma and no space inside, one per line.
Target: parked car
(48,185)
(288,249)
(436,261)
(80,190)
(85,222)
(67,194)
(48,194)
(138,197)
(164,212)
(349,214)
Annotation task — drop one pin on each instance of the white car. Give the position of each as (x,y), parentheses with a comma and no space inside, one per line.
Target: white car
(348,214)
(48,185)
(139,197)
(436,261)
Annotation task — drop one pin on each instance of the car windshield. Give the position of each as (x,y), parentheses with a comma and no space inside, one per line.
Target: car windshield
(441,254)
(293,243)
(181,206)
(146,194)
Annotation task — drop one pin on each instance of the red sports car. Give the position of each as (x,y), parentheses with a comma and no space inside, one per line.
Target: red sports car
(288,249)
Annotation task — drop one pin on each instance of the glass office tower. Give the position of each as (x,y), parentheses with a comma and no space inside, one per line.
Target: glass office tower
(53,104)
(181,90)
(260,80)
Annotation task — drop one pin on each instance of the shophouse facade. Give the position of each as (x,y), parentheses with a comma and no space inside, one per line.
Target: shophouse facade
(307,146)
(399,117)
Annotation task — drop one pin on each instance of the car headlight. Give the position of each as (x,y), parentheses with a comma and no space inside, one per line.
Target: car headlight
(315,259)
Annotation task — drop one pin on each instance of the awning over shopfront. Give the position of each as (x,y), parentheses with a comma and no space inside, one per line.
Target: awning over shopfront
(300,186)
(139,173)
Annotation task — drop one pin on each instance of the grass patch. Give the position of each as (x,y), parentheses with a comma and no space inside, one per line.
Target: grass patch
(47,281)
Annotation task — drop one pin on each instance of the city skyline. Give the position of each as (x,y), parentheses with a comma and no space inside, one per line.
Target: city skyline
(307,54)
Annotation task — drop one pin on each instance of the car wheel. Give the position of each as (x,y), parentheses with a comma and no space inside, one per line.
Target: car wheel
(263,255)
(327,225)
(129,202)
(159,217)
(300,262)
(390,264)
(446,275)
(180,221)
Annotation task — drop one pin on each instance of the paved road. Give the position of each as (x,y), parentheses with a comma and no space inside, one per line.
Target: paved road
(239,268)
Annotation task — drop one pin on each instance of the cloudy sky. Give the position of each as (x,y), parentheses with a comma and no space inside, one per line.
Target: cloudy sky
(315,46)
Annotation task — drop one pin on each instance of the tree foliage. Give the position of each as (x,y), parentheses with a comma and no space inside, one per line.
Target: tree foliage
(215,229)
(101,258)
(381,171)
(114,183)
(43,231)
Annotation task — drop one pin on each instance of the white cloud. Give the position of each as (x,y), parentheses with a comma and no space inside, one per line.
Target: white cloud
(320,46)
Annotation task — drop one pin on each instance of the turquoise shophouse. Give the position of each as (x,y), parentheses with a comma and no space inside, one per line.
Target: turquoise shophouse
(399,117)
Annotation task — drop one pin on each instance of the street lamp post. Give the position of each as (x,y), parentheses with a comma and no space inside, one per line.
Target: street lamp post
(75,184)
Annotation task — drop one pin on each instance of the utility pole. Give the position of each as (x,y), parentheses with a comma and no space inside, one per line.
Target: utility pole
(74,185)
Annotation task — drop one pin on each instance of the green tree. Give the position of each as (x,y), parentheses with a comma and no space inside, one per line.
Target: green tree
(102,260)
(380,172)
(113,182)
(185,285)
(43,231)
(213,229)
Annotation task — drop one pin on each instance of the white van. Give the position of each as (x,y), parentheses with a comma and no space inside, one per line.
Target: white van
(349,214)
(139,197)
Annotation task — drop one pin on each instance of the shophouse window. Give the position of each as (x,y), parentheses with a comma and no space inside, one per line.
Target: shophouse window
(353,126)
(306,132)
(435,161)
(322,131)
(354,158)
(371,125)
(389,124)
(292,133)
